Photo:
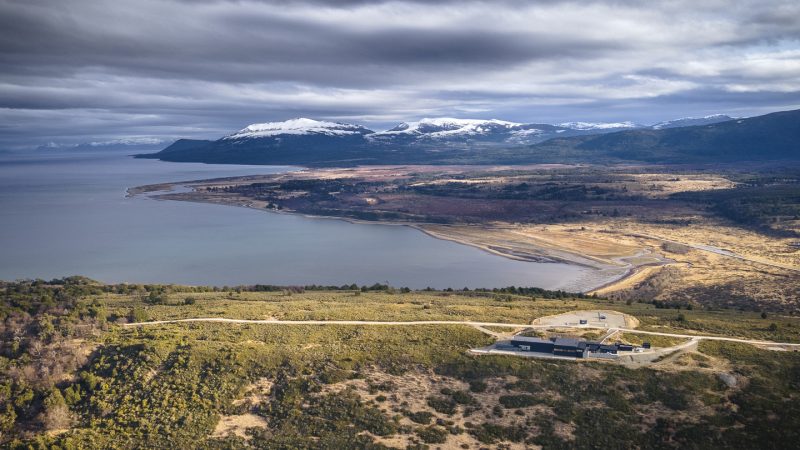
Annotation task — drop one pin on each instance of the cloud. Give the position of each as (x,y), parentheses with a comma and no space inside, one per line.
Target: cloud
(87,70)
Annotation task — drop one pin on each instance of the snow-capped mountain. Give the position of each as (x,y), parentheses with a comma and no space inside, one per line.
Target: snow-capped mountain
(692,121)
(284,142)
(447,130)
(302,140)
(606,126)
(299,126)
(448,127)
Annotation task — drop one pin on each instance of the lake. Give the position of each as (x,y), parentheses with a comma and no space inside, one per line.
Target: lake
(67,214)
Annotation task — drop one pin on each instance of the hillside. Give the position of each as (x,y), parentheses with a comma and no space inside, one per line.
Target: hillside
(76,376)
(773,136)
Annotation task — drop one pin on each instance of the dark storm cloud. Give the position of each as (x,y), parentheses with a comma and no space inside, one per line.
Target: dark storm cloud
(241,47)
(73,69)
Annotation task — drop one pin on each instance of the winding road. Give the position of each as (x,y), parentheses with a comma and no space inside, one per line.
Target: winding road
(718,251)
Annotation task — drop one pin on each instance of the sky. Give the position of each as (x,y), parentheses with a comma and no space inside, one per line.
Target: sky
(75,71)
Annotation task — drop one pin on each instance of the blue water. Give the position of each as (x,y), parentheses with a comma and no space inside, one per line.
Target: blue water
(67,214)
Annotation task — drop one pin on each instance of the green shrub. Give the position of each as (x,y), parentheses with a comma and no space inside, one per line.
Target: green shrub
(444,405)
(477,386)
(518,401)
(489,433)
(463,398)
(420,417)
(432,435)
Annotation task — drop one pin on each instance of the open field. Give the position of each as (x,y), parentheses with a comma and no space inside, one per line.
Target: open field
(726,238)
(301,385)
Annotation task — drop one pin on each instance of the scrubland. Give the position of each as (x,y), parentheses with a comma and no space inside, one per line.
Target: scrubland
(215,385)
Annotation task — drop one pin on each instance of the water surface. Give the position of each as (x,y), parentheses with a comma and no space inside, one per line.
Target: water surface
(67,214)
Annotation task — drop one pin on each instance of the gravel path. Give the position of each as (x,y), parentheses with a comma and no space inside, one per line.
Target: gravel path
(452,322)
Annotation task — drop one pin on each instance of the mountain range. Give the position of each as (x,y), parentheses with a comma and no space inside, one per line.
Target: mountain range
(115,144)
(771,137)
(475,141)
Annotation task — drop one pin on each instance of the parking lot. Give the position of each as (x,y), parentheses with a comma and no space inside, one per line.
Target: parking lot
(610,319)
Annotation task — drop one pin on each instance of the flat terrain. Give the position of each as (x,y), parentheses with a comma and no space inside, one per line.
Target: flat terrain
(689,236)
(593,318)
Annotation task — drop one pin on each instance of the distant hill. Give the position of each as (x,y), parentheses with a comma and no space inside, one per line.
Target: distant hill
(474,141)
(185,144)
(773,136)
(296,141)
(133,144)
(692,121)
(315,142)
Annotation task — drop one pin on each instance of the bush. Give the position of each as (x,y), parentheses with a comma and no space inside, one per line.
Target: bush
(518,401)
(420,417)
(463,398)
(432,435)
(477,386)
(138,315)
(489,433)
(56,414)
(156,298)
(442,405)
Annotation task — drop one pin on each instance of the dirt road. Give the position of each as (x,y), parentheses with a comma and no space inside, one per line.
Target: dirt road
(467,323)
(718,251)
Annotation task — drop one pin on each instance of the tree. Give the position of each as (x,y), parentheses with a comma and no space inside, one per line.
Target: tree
(72,395)
(46,329)
(156,298)
(7,419)
(56,414)
(138,315)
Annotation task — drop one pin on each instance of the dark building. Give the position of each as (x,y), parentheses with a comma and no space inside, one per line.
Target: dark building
(563,346)
(592,346)
(569,347)
(607,349)
(532,344)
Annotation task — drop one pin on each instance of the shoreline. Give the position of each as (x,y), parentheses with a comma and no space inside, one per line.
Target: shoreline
(162,192)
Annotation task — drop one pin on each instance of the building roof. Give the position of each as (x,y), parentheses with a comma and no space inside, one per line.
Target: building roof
(532,340)
(567,342)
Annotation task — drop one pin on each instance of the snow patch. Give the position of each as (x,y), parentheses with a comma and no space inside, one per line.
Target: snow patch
(691,121)
(299,126)
(447,127)
(524,136)
(583,126)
